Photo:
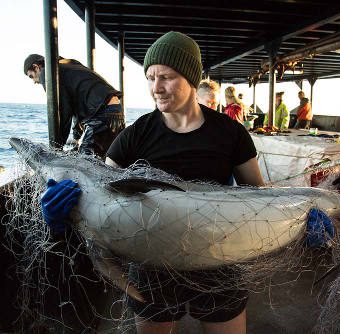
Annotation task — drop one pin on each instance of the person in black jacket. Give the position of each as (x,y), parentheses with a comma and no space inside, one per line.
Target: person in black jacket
(87,99)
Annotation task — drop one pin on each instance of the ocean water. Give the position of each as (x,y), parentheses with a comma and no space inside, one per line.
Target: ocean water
(30,121)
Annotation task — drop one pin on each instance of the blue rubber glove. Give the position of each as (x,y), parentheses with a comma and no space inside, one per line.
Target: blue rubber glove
(57,202)
(320,228)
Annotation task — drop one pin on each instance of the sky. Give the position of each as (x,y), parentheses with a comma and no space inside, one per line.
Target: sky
(22,33)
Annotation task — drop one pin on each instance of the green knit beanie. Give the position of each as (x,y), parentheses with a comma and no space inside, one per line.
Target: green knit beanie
(178,51)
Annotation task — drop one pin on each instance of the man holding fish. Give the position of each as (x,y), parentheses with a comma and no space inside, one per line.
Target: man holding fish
(193,142)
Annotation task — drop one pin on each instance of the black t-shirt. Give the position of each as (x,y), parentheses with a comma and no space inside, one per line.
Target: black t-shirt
(208,153)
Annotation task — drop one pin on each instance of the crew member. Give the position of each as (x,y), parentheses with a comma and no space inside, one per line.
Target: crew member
(87,99)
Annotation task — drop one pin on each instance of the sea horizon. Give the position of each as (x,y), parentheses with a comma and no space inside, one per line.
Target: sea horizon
(29,120)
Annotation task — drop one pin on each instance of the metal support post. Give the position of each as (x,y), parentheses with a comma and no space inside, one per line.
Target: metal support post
(220,92)
(121,51)
(312,81)
(272,81)
(254,97)
(272,49)
(52,72)
(90,34)
(299,83)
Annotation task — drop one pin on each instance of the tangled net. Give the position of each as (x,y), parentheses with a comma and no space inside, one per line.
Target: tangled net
(59,290)
(53,277)
(329,318)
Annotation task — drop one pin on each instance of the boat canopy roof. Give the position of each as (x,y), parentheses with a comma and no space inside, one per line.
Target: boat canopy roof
(235,36)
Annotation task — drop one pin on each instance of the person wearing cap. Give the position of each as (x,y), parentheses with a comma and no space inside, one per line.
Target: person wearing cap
(194,142)
(281,113)
(208,94)
(86,99)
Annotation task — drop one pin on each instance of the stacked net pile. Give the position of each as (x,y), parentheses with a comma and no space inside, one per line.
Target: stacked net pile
(297,160)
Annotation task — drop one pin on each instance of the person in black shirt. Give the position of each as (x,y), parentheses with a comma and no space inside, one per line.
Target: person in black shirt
(87,99)
(194,142)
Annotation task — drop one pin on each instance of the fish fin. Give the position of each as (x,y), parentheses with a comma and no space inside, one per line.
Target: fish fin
(140,185)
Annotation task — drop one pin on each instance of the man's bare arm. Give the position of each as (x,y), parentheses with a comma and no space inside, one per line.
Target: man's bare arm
(249,173)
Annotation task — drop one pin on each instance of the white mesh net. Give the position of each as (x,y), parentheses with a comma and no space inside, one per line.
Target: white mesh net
(60,290)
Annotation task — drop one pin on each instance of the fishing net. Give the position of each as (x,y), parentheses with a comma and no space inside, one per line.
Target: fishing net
(62,289)
(329,318)
(297,159)
(56,287)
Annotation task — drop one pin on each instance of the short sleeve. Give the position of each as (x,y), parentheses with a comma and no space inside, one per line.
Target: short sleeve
(245,148)
(121,150)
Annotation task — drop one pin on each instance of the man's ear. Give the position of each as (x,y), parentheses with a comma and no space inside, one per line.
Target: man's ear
(36,67)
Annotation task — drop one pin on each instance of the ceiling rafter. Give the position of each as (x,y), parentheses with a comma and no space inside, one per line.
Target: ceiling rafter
(232,34)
